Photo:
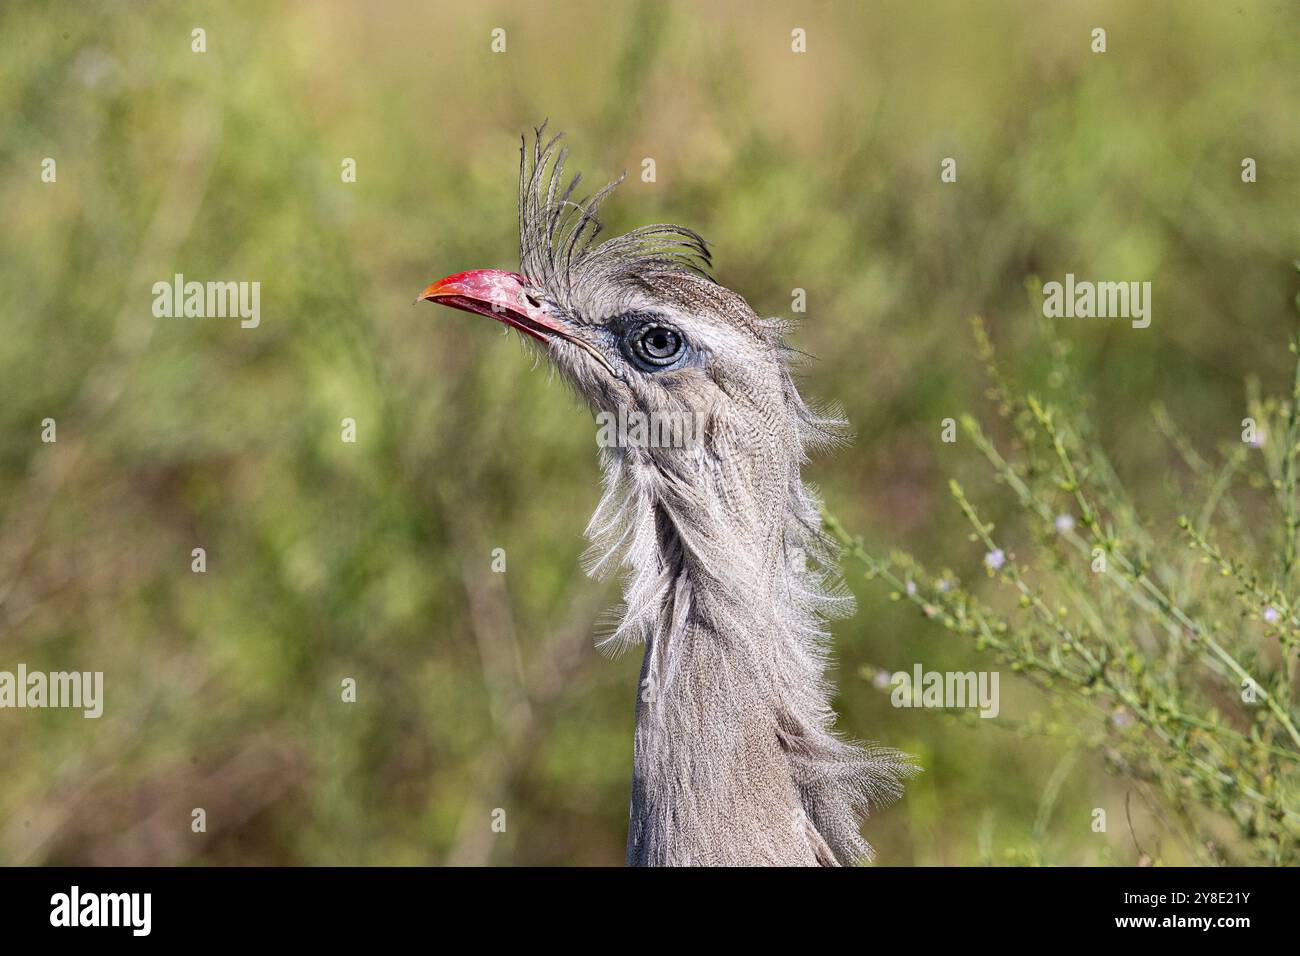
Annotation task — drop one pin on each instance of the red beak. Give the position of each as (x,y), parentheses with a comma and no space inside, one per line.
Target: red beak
(503,296)
(497,294)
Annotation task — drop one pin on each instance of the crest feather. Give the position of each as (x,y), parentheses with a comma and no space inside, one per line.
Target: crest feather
(557,233)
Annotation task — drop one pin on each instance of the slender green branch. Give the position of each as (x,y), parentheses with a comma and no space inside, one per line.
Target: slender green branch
(1122,636)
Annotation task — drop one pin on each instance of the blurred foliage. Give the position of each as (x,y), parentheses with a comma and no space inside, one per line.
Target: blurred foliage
(371,560)
(1125,632)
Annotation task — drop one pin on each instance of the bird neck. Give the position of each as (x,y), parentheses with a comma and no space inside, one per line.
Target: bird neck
(734,761)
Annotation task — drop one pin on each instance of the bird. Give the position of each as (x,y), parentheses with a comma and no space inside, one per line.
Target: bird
(729,578)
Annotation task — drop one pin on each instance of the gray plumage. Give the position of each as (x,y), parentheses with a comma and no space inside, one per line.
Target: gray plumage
(729,578)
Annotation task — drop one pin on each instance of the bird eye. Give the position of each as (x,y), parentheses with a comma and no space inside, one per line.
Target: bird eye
(658,345)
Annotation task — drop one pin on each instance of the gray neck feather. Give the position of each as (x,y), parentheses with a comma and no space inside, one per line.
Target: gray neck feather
(729,584)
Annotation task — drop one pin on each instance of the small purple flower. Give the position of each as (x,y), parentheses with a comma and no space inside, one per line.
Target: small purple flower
(882,679)
(1271,614)
(995,559)
(911,588)
(1064,523)
(945,586)
(1120,717)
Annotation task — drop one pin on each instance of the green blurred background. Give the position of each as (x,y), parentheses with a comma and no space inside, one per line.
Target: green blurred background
(372,560)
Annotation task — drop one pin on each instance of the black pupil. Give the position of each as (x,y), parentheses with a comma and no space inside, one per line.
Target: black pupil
(661,343)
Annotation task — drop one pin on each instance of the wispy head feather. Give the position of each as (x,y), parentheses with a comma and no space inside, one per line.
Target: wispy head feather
(557,233)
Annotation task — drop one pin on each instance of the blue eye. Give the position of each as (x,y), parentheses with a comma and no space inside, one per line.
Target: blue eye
(657,345)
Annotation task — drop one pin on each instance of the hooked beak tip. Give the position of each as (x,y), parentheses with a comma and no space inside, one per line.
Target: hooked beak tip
(434,290)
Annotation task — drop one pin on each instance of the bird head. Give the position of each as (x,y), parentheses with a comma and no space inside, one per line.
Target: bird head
(634,323)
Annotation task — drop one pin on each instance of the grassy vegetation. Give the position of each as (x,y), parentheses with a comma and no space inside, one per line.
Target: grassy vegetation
(372,560)
(1179,673)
